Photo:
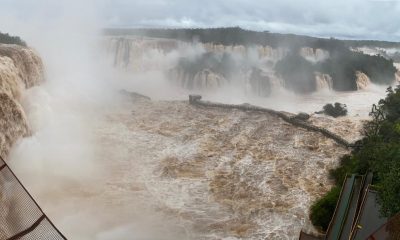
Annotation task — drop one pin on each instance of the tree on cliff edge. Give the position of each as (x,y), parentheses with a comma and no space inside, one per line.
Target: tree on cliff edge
(378,152)
(8,39)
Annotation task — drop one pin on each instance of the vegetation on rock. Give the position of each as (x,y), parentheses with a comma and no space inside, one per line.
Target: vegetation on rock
(342,66)
(297,72)
(336,110)
(8,39)
(322,211)
(377,152)
(239,36)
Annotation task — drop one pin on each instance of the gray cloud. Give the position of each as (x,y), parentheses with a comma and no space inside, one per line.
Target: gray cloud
(362,19)
(375,19)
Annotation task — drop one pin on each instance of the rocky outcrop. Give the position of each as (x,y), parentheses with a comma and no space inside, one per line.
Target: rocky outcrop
(208,66)
(263,82)
(20,68)
(134,96)
(362,80)
(260,83)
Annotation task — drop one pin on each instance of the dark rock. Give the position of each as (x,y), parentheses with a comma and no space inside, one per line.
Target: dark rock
(194,98)
(260,83)
(302,116)
(134,96)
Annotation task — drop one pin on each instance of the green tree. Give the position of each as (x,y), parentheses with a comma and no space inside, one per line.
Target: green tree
(378,152)
(323,209)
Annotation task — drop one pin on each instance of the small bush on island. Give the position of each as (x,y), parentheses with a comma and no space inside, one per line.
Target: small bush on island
(336,110)
(322,210)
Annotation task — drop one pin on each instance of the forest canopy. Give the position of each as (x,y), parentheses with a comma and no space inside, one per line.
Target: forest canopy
(239,36)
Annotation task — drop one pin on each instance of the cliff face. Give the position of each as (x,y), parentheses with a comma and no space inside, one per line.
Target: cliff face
(209,66)
(20,68)
(127,51)
(130,54)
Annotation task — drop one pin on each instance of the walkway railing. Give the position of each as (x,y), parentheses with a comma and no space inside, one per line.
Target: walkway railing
(20,215)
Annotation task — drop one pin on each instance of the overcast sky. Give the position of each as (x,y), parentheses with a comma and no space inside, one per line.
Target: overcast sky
(363,19)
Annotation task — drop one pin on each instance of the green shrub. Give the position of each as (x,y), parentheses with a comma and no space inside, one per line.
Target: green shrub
(336,110)
(378,152)
(322,210)
(348,164)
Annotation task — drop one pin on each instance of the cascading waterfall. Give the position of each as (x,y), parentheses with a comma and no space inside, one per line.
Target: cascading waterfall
(211,173)
(20,68)
(314,55)
(130,53)
(362,80)
(206,79)
(182,63)
(140,54)
(323,81)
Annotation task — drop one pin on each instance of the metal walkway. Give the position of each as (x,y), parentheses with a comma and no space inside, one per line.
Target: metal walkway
(335,227)
(357,215)
(369,219)
(20,215)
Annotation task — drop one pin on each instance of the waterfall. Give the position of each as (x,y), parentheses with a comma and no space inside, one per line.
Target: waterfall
(206,79)
(362,80)
(314,55)
(323,81)
(130,53)
(20,68)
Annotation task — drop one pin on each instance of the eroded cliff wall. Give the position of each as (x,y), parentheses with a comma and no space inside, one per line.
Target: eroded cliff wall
(209,66)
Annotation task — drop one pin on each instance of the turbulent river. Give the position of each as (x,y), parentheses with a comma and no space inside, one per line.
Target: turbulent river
(164,169)
(169,170)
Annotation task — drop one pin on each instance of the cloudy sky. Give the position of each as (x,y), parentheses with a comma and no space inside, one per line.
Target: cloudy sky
(363,19)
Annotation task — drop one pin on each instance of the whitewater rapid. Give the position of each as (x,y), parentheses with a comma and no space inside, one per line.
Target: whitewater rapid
(164,169)
(168,170)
